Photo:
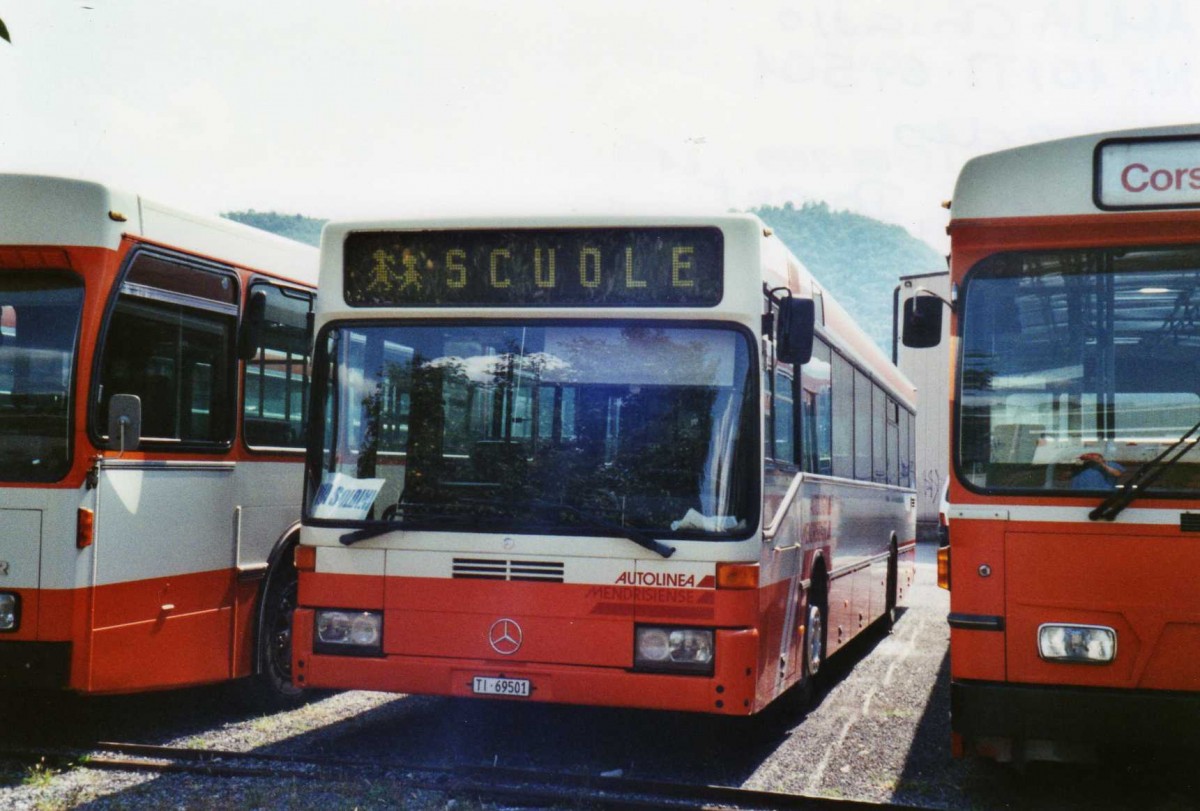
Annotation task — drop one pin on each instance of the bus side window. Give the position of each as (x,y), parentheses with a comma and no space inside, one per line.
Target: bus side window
(784,411)
(170,341)
(892,417)
(843,417)
(277,376)
(816,416)
(863,417)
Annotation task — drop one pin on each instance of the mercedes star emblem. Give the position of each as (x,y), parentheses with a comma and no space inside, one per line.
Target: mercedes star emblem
(505,636)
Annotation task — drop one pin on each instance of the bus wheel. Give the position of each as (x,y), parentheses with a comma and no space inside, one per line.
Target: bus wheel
(272,685)
(814,638)
(893,580)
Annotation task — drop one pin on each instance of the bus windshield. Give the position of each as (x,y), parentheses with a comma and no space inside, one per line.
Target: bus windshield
(39,323)
(1078,368)
(564,428)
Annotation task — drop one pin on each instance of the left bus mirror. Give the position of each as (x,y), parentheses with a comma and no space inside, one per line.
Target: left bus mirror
(794,335)
(923,322)
(253,325)
(124,422)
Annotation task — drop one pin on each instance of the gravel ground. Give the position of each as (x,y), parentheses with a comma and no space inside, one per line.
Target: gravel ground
(879,731)
(50,785)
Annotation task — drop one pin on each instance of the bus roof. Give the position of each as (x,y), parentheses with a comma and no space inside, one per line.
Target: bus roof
(1054,178)
(46,210)
(339,229)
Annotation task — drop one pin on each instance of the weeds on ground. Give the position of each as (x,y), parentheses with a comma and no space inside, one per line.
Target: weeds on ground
(39,774)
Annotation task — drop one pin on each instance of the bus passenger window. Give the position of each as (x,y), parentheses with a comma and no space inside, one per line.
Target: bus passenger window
(785,418)
(276,386)
(843,417)
(174,350)
(816,417)
(862,426)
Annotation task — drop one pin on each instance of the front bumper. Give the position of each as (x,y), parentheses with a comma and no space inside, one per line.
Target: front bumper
(36,665)
(730,690)
(1086,715)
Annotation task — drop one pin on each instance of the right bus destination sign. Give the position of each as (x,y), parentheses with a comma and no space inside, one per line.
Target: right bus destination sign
(1147,173)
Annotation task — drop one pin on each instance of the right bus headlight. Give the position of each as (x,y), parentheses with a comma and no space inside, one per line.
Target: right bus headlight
(349,632)
(1087,644)
(683,650)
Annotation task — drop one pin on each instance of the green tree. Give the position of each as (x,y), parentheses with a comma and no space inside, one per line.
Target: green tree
(4,32)
(292,226)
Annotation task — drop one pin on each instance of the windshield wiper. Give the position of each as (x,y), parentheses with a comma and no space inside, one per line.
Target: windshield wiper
(592,520)
(595,521)
(386,525)
(1146,475)
(366,533)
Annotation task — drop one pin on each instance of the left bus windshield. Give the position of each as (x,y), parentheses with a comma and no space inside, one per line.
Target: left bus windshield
(39,322)
(542,428)
(1079,367)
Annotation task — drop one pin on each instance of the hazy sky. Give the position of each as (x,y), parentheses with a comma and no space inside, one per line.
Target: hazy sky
(359,107)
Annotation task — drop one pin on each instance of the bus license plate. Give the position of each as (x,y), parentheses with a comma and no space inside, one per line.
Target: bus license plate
(486,686)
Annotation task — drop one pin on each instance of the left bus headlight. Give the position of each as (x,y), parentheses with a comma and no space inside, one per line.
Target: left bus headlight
(349,632)
(684,650)
(10,611)
(1087,644)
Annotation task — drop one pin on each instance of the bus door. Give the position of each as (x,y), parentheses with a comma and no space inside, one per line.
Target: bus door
(783,552)
(165,526)
(164,549)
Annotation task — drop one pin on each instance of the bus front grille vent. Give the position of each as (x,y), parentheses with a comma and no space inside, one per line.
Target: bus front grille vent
(488,569)
(1189,522)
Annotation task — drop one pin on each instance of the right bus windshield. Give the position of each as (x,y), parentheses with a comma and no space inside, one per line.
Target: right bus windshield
(1078,367)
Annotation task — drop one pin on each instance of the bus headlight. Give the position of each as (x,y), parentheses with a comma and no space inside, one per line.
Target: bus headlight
(685,650)
(349,632)
(10,611)
(1090,644)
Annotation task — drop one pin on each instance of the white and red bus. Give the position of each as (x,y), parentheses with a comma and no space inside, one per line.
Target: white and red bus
(153,389)
(641,462)
(1074,501)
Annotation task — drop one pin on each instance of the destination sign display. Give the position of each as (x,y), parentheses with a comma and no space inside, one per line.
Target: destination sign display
(536,267)
(1147,173)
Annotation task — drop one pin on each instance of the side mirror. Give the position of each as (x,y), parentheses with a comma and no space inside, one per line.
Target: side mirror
(796,327)
(253,324)
(922,322)
(124,422)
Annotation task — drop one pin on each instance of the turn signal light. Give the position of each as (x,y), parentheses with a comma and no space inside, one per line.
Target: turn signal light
(85,528)
(737,575)
(943,558)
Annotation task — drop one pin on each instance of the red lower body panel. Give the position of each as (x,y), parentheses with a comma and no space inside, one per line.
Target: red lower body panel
(142,635)
(730,690)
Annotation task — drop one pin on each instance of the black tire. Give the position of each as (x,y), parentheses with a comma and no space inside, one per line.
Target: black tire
(893,588)
(812,653)
(272,685)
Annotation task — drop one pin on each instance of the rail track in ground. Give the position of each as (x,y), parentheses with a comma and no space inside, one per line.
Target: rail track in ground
(498,783)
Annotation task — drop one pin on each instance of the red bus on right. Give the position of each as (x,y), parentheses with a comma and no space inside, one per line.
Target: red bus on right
(1073,559)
